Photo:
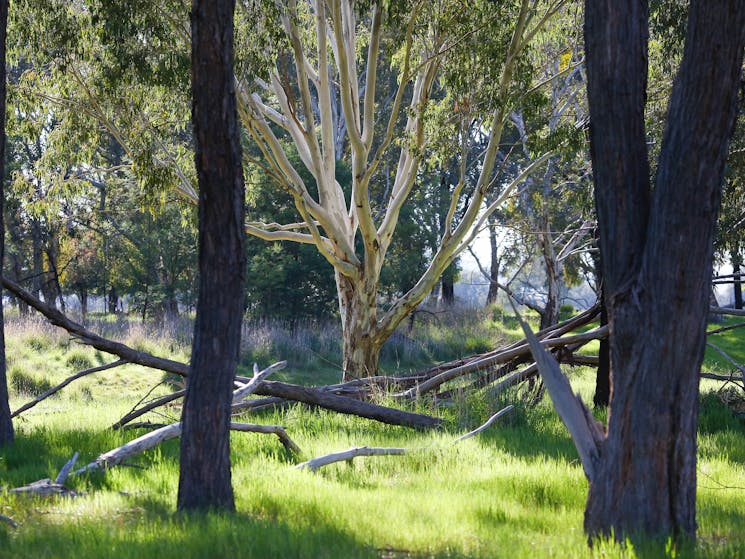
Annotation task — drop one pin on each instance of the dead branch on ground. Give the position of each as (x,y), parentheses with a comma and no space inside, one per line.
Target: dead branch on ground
(68,380)
(348,456)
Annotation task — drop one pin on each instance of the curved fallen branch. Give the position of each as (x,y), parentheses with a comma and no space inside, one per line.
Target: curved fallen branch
(348,456)
(68,380)
(87,337)
(139,412)
(486,425)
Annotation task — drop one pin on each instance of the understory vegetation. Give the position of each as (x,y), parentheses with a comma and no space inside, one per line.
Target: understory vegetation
(515,490)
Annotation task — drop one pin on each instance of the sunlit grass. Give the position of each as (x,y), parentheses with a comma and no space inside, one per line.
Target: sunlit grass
(516,490)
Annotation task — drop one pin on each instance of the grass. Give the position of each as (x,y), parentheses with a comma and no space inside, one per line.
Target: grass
(516,490)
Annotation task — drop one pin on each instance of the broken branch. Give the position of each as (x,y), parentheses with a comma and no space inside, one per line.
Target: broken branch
(486,425)
(348,456)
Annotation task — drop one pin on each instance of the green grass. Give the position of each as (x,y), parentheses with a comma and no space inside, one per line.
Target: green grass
(516,490)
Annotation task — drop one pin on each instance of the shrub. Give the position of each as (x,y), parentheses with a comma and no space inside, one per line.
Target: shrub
(24,383)
(79,361)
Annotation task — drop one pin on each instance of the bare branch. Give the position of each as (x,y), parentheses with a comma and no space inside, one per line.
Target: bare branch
(486,425)
(348,455)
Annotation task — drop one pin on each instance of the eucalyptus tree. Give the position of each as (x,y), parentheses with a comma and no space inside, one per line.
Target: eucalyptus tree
(656,246)
(477,55)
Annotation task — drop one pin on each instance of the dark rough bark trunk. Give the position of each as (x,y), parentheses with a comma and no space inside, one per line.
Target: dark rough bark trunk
(205,478)
(737,283)
(491,296)
(447,281)
(83,298)
(112,300)
(6,424)
(601,398)
(657,250)
(23,309)
(37,258)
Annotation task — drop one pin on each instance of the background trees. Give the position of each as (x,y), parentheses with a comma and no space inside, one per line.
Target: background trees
(451,92)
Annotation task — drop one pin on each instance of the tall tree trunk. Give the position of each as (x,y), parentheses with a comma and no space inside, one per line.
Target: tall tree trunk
(360,345)
(656,246)
(601,398)
(554,271)
(205,478)
(737,283)
(447,281)
(491,296)
(37,256)
(6,424)
(23,309)
(83,298)
(112,300)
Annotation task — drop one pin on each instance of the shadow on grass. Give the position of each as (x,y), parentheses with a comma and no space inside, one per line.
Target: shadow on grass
(206,535)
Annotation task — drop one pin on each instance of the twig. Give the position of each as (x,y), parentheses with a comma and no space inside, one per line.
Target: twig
(486,425)
(9,520)
(725,328)
(727,357)
(134,414)
(720,484)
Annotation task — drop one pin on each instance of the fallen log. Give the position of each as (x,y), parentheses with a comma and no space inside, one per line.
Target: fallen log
(137,446)
(342,404)
(499,358)
(582,319)
(46,487)
(154,438)
(348,456)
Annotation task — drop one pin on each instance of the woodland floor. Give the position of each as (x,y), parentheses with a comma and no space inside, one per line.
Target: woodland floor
(515,490)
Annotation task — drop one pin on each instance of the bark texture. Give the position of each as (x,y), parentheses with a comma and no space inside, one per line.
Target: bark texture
(205,480)
(656,246)
(6,424)
(360,340)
